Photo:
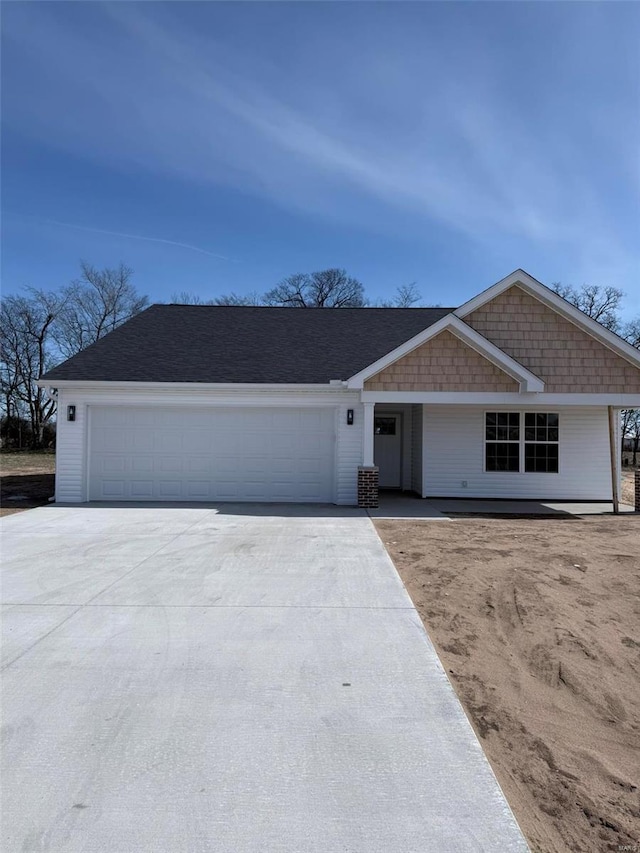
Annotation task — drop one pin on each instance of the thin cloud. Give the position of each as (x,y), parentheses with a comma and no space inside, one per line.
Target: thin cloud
(128,236)
(497,146)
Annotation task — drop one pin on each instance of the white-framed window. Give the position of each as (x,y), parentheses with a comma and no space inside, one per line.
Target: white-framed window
(502,441)
(521,442)
(541,442)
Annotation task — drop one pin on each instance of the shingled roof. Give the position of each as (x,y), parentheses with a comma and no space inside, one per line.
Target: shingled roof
(202,343)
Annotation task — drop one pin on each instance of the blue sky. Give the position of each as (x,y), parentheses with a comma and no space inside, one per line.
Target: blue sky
(443,143)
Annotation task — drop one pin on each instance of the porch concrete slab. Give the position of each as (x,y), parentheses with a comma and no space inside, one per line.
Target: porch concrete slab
(405,506)
(504,507)
(603,508)
(412,507)
(305,720)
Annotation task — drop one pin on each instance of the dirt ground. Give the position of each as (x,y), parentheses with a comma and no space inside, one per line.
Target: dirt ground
(537,622)
(627,486)
(26,480)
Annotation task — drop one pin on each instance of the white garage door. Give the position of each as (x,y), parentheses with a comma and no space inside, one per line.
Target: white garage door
(222,454)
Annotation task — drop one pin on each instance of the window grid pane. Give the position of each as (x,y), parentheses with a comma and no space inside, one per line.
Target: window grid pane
(541,458)
(502,426)
(502,456)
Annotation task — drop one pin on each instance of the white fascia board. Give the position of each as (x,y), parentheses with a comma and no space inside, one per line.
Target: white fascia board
(557,303)
(469,336)
(619,401)
(186,386)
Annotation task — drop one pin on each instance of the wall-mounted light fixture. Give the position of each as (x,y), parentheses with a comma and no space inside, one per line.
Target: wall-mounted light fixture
(71,413)
(350,417)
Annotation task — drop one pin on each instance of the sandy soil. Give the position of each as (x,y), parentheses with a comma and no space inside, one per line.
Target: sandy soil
(537,623)
(627,489)
(26,480)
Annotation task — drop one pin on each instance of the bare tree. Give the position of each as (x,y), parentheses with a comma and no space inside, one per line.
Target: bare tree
(406,296)
(631,332)
(95,304)
(600,303)
(26,325)
(331,288)
(40,328)
(186,297)
(252,298)
(631,432)
(604,304)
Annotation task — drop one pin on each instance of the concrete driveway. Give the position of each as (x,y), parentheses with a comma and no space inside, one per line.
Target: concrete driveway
(241,678)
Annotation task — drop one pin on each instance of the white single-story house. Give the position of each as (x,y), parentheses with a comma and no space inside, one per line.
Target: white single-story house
(515,394)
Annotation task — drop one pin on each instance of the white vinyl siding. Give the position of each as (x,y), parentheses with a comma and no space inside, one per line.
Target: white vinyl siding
(416,448)
(72,477)
(454,450)
(70,450)
(349,438)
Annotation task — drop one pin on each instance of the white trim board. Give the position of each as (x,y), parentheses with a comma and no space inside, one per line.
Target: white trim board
(87,385)
(620,401)
(528,381)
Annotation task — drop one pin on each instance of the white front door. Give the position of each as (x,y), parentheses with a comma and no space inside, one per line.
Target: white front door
(387,449)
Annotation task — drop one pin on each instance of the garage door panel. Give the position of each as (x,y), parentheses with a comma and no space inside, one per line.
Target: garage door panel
(114,465)
(199,465)
(113,488)
(164,440)
(212,454)
(171,464)
(116,417)
(199,441)
(197,489)
(141,464)
(143,489)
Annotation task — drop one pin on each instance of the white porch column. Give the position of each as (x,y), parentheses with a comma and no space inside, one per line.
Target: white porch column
(367,456)
(614,447)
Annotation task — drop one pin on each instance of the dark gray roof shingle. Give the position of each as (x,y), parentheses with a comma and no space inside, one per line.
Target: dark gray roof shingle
(201,343)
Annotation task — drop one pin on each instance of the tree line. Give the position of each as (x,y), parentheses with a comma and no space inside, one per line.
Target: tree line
(38,329)
(332,288)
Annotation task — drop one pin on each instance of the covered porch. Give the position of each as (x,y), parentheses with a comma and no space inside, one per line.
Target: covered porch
(489,451)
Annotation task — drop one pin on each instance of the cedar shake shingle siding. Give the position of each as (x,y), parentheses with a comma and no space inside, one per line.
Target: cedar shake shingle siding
(566,358)
(444,363)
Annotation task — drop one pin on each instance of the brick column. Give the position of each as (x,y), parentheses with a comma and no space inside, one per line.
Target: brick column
(368,486)
(637,501)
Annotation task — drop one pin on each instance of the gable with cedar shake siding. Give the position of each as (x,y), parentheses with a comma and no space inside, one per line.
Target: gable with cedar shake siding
(565,357)
(445,363)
